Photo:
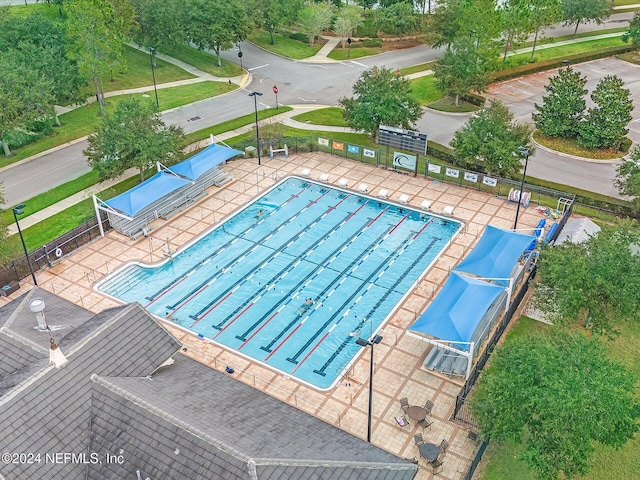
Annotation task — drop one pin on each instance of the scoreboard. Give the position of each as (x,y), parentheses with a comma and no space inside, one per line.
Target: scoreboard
(402,139)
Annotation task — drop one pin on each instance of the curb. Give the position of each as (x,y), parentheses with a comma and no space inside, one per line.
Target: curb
(575,157)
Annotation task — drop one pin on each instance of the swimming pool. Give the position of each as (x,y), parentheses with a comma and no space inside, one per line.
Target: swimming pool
(293,278)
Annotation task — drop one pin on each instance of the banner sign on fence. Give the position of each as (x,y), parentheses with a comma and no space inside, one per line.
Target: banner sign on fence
(338,146)
(434,168)
(353,149)
(470,176)
(404,160)
(369,153)
(323,141)
(452,172)
(492,182)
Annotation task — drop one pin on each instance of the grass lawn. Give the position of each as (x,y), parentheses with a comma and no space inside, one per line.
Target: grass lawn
(571,146)
(84,120)
(502,460)
(421,67)
(448,104)
(622,3)
(631,57)
(424,90)
(284,46)
(51,11)
(564,50)
(323,116)
(233,124)
(138,73)
(342,53)
(205,61)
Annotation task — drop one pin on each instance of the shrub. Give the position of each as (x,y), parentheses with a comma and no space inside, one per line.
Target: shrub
(371,42)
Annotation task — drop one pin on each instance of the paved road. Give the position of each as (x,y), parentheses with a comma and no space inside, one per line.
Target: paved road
(298,82)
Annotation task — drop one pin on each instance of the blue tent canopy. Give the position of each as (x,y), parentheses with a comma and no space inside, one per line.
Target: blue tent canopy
(458,309)
(140,196)
(203,161)
(495,254)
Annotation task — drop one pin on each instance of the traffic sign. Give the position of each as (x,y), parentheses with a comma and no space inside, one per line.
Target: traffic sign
(275,89)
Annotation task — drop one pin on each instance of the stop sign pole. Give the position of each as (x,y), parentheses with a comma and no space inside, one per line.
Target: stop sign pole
(275,90)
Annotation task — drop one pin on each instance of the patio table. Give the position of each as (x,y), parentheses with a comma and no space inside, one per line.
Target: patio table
(417,413)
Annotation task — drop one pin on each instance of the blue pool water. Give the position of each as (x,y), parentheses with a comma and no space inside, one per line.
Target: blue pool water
(293,278)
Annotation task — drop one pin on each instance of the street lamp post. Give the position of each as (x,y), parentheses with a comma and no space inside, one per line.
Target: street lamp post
(255,96)
(18,210)
(524,151)
(370,343)
(152,56)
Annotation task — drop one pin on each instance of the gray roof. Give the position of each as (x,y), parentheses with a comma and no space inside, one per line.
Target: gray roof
(48,409)
(179,421)
(577,230)
(190,408)
(62,316)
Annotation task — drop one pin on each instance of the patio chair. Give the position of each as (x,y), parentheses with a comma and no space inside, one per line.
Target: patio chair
(444,445)
(428,406)
(324,177)
(425,423)
(383,193)
(436,464)
(426,205)
(404,199)
(404,404)
(363,188)
(343,182)
(473,436)
(402,421)
(417,438)
(448,210)
(305,172)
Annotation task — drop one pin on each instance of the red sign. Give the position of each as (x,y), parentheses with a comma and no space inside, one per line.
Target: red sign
(275,89)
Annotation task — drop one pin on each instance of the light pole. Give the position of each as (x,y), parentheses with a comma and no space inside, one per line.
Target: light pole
(18,210)
(524,151)
(255,96)
(369,343)
(152,56)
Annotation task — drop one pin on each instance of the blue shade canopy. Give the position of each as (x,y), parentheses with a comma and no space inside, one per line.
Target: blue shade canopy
(457,309)
(495,254)
(143,195)
(203,161)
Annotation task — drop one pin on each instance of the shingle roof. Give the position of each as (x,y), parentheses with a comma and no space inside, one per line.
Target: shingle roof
(190,408)
(49,410)
(16,356)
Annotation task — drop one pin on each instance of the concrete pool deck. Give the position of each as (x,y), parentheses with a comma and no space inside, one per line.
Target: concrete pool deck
(398,358)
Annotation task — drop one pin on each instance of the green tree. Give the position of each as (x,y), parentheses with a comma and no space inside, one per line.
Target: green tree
(563,107)
(25,96)
(346,24)
(575,12)
(628,177)
(40,43)
(162,23)
(216,24)
(272,14)
(314,18)
(633,33)
(516,23)
(463,68)
(382,97)
(605,125)
(544,13)
(133,136)
(97,31)
(399,19)
(595,281)
(561,396)
(491,138)
(454,20)
(367,4)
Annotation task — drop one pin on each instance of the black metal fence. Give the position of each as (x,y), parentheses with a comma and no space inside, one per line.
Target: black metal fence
(475,461)
(49,253)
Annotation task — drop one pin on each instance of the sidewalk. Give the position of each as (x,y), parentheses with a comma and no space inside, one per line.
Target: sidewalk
(285,118)
(321,56)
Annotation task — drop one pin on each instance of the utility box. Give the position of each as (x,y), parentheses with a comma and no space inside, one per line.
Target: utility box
(250,152)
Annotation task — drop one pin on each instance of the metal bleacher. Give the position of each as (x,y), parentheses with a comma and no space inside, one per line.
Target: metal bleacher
(168,205)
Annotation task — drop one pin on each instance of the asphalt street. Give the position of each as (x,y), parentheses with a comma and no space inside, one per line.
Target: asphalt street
(323,84)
